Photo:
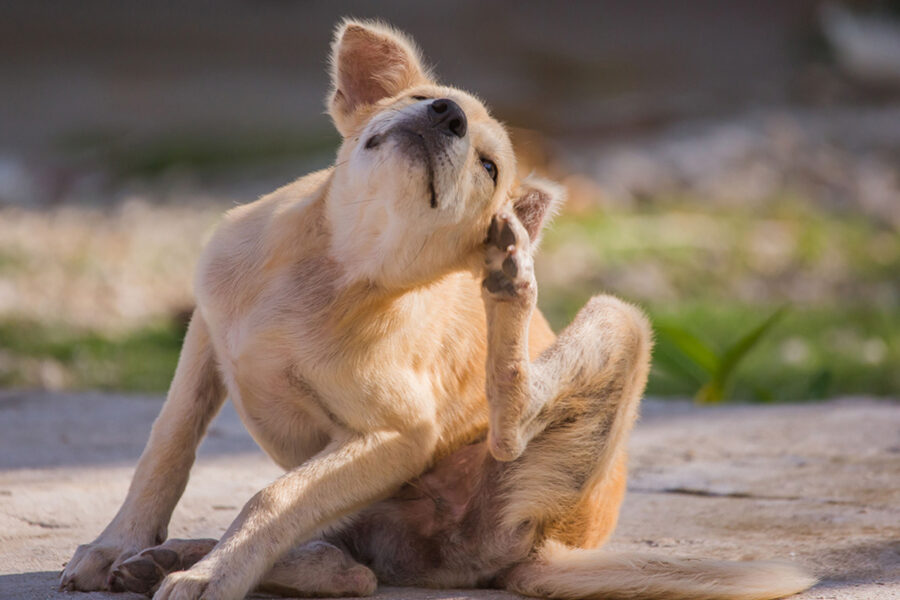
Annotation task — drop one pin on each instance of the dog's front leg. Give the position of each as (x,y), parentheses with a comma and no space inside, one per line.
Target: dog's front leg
(346,476)
(195,397)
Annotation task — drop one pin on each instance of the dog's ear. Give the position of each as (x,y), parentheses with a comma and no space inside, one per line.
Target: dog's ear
(535,201)
(369,61)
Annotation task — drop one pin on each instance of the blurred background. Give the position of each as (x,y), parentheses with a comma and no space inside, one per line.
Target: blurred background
(733,167)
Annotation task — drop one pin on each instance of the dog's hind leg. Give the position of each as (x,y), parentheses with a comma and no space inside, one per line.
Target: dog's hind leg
(312,569)
(571,411)
(566,415)
(608,339)
(571,476)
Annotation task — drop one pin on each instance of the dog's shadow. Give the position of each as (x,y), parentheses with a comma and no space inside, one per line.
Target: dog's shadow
(41,585)
(41,430)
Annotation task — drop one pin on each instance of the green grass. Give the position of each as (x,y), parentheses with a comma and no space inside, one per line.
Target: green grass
(11,261)
(142,360)
(811,353)
(709,275)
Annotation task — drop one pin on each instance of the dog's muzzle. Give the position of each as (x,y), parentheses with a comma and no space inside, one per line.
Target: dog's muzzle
(441,123)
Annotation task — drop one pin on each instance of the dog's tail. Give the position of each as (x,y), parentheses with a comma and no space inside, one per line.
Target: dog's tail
(565,573)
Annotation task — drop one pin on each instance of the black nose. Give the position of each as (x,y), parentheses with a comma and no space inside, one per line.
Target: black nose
(448,117)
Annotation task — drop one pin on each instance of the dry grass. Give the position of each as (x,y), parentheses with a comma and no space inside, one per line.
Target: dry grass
(107,269)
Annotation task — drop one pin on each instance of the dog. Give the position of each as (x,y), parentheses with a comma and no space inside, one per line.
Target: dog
(375,325)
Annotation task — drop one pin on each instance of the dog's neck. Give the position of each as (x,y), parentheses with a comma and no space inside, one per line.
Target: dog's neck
(384,252)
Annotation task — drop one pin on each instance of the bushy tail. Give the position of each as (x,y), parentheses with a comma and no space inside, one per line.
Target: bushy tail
(568,573)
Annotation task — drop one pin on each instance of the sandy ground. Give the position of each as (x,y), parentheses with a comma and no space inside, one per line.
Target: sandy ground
(817,483)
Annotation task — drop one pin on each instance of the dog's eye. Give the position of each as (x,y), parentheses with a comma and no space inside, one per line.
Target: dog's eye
(490,167)
(419,97)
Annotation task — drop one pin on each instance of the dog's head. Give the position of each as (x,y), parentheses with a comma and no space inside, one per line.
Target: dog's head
(422,167)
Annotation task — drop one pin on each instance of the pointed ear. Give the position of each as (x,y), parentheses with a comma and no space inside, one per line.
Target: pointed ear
(535,201)
(369,61)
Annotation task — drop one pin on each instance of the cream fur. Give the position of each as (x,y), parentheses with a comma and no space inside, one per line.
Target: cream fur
(573,574)
(369,338)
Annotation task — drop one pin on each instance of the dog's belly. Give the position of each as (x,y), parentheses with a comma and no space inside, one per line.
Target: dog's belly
(442,529)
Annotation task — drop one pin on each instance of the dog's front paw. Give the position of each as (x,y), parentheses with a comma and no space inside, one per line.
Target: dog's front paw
(207,580)
(192,584)
(508,264)
(143,572)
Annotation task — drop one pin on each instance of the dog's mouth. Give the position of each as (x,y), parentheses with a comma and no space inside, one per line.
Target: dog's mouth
(414,145)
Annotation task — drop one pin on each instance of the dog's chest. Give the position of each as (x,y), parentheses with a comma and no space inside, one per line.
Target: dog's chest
(296,385)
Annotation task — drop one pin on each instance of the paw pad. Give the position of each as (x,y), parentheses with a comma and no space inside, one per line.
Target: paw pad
(508,263)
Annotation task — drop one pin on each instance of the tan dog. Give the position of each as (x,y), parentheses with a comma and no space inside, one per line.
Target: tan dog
(375,326)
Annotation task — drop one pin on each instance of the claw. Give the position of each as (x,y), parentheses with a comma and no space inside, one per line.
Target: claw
(65,581)
(114,581)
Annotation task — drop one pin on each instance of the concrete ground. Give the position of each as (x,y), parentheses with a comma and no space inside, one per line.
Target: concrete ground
(818,484)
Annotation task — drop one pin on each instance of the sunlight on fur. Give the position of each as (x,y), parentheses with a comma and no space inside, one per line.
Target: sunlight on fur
(375,326)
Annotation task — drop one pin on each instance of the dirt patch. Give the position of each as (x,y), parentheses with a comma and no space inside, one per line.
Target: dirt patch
(815,484)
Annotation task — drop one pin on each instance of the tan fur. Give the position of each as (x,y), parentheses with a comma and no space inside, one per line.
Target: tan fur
(569,574)
(371,336)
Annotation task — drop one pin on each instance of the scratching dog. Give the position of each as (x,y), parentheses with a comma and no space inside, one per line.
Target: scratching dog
(375,326)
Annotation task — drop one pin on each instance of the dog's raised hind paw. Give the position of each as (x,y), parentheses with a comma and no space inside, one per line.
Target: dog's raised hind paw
(508,265)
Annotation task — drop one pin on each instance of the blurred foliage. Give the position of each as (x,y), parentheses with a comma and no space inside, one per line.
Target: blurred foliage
(812,353)
(682,354)
(712,279)
(677,249)
(59,356)
(708,275)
